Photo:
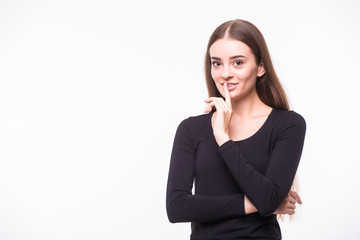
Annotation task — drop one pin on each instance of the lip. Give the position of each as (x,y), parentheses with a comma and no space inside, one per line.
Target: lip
(232,87)
(229,83)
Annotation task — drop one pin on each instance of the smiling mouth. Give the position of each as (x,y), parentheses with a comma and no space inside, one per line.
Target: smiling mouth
(230,84)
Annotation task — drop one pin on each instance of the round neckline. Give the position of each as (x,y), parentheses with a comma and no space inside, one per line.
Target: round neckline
(253,135)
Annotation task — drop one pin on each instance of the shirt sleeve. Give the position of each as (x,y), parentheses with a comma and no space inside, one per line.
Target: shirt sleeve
(268,191)
(181,204)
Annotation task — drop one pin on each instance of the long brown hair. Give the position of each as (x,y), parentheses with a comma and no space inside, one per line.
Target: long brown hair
(268,86)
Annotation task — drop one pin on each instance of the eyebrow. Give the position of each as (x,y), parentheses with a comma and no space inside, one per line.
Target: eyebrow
(233,57)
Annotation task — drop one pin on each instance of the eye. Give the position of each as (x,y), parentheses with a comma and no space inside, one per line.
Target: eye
(238,63)
(216,63)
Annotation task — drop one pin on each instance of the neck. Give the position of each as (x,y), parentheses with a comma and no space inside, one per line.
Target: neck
(249,106)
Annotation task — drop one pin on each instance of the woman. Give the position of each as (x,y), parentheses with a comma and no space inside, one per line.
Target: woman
(243,154)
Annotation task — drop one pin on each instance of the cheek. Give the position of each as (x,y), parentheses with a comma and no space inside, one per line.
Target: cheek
(215,75)
(246,74)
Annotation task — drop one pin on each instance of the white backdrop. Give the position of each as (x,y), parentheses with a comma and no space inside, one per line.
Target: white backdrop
(91,93)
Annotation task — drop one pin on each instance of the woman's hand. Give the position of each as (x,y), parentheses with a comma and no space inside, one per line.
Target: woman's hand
(221,118)
(288,206)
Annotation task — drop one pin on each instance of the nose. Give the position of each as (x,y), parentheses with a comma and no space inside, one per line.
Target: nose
(226,73)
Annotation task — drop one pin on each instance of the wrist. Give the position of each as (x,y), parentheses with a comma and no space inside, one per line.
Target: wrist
(221,138)
(249,206)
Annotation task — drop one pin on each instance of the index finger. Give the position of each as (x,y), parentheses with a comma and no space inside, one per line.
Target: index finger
(227,95)
(296,196)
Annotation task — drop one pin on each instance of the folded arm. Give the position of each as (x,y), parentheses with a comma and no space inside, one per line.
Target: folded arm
(268,191)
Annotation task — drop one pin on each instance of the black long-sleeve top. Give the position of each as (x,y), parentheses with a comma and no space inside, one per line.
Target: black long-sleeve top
(262,167)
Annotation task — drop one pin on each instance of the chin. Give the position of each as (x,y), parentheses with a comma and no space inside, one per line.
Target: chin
(236,95)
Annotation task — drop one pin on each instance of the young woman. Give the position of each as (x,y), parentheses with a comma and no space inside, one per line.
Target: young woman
(244,152)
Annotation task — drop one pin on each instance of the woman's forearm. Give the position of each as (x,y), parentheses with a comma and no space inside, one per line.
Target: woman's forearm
(287,207)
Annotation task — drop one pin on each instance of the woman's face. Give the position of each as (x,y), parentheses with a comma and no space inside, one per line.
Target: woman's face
(232,61)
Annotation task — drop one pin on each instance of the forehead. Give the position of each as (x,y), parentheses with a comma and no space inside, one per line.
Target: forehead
(227,47)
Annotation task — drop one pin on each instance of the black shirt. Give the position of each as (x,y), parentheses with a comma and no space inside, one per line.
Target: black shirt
(262,167)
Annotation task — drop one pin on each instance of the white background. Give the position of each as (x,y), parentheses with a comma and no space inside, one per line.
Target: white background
(91,93)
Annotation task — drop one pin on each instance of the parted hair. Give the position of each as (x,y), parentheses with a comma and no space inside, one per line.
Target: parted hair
(268,86)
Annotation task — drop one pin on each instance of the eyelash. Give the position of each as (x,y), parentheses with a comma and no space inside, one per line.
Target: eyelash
(215,62)
(239,63)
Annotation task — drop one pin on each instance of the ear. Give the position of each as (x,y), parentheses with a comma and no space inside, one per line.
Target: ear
(261,70)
